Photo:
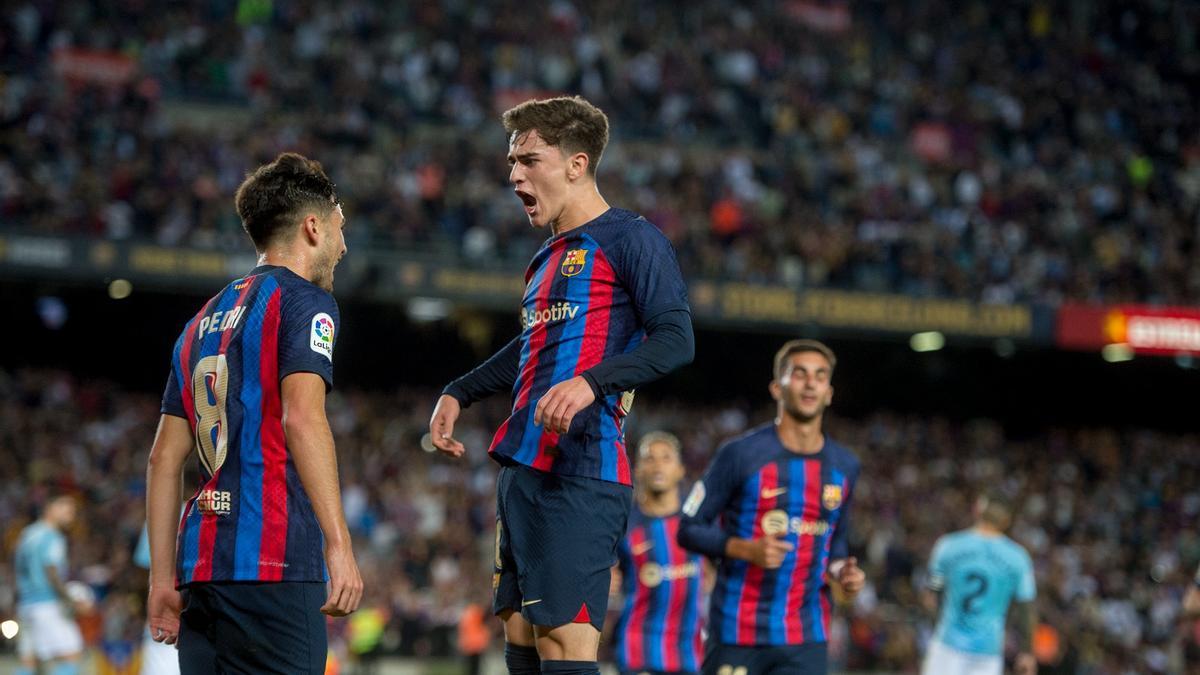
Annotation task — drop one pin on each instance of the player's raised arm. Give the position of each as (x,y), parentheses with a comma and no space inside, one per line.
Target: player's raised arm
(496,374)
(310,441)
(164,475)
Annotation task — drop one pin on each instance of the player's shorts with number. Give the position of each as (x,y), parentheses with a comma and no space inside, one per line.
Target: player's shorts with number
(47,631)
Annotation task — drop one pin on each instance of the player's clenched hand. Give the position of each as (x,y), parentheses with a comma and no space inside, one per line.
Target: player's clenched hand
(558,406)
(441,426)
(163,607)
(345,584)
(769,551)
(851,577)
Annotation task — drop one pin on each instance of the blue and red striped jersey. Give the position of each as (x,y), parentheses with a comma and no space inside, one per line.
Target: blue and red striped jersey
(250,519)
(754,486)
(588,294)
(659,627)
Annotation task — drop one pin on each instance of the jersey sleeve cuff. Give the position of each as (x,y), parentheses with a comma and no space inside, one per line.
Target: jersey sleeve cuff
(328,380)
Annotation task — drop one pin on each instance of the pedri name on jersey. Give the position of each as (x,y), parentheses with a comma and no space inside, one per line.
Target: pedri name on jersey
(220,321)
(563,311)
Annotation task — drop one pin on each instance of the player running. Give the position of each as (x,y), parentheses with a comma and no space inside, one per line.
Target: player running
(659,629)
(774,508)
(45,609)
(605,311)
(976,574)
(247,391)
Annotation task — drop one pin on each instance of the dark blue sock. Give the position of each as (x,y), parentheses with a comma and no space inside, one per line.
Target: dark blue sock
(522,660)
(570,668)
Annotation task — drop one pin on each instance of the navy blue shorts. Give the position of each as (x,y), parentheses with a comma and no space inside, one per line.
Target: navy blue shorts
(274,627)
(806,659)
(556,542)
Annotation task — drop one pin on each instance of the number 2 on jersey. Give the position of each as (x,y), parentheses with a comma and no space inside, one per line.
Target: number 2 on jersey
(210,383)
(980,582)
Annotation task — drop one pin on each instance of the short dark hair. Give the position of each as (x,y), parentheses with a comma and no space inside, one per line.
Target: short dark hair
(271,198)
(799,347)
(570,123)
(665,437)
(996,508)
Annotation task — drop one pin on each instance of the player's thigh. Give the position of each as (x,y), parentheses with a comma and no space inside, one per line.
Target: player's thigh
(517,631)
(564,532)
(270,627)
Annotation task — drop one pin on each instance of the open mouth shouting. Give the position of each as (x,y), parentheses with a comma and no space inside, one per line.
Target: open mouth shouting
(529,201)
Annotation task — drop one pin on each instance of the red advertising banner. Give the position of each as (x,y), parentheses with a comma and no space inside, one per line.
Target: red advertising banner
(1146,330)
(94,66)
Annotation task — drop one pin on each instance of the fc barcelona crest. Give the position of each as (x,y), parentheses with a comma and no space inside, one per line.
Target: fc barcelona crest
(831,497)
(574,261)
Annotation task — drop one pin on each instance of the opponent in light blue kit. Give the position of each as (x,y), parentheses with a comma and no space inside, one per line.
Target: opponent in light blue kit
(49,634)
(979,573)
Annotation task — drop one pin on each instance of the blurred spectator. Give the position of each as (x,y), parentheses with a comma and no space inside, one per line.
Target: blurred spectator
(1001,152)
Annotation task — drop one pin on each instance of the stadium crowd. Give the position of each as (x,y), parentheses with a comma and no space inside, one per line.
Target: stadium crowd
(1029,151)
(1106,514)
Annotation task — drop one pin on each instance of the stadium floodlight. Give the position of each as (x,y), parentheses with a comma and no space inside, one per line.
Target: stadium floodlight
(9,629)
(119,289)
(929,341)
(1117,352)
(427,310)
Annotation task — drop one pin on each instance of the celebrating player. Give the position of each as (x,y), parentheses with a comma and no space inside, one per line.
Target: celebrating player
(247,390)
(978,573)
(45,609)
(774,508)
(605,311)
(659,630)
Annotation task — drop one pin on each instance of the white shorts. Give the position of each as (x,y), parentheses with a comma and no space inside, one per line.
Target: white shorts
(47,632)
(943,660)
(158,658)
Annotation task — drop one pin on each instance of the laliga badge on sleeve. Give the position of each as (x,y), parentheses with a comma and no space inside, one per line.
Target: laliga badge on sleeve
(321,337)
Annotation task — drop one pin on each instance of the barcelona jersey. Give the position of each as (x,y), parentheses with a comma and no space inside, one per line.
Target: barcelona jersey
(588,293)
(660,624)
(250,519)
(756,486)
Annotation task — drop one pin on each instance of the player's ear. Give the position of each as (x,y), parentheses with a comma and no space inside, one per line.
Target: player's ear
(829,396)
(776,389)
(577,165)
(311,226)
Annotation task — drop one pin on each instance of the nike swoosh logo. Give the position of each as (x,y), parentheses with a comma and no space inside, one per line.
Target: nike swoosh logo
(527,603)
(771,493)
(643,547)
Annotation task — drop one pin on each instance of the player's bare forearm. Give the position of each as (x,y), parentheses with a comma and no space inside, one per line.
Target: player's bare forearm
(310,443)
(1024,621)
(56,582)
(173,443)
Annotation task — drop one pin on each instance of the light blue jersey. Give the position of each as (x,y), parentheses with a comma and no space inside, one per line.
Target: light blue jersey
(141,554)
(979,577)
(38,547)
